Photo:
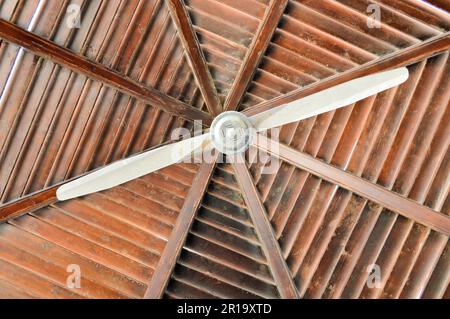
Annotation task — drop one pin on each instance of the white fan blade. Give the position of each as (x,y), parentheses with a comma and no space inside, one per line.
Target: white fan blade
(130,168)
(330,99)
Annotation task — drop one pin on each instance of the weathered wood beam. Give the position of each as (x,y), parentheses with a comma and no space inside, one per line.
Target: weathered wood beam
(374,192)
(271,248)
(255,54)
(80,64)
(28,203)
(176,241)
(396,59)
(195,55)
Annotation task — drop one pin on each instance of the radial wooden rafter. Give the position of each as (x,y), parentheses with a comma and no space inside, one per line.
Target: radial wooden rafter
(270,245)
(254,55)
(195,55)
(176,241)
(80,64)
(357,185)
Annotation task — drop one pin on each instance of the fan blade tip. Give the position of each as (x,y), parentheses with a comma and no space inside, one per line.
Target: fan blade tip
(405,71)
(403,74)
(60,194)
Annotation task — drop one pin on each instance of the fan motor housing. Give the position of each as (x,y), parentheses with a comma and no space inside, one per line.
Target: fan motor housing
(232,133)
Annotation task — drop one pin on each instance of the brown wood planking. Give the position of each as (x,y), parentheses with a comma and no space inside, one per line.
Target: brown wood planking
(225,30)
(374,192)
(263,227)
(406,236)
(320,203)
(78,63)
(195,56)
(333,37)
(358,122)
(432,14)
(394,36)
(383,125)
(53,124)
(223,257)
(254,55)
(176,241)
(437,284)
(397,59)
(442,4)
(116,238)
(417,129)
(312,39)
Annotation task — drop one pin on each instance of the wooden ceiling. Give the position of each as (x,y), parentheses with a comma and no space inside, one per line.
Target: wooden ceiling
(366,184)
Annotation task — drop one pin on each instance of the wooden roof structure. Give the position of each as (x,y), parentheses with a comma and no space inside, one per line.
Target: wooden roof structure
(364,185)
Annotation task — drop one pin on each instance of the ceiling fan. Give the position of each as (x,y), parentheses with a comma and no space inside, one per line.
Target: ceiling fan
(232,133)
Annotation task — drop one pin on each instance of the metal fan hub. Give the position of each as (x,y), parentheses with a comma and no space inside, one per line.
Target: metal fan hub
(231,132)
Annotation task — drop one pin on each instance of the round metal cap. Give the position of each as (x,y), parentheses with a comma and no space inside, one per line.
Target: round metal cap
(231,132)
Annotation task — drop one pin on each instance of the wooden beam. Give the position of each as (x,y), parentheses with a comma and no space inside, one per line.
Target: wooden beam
(195,55)
(28,204)
(271,248)
(255,54)
(80,64)
(374,192)
(396,59)
(176,241)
